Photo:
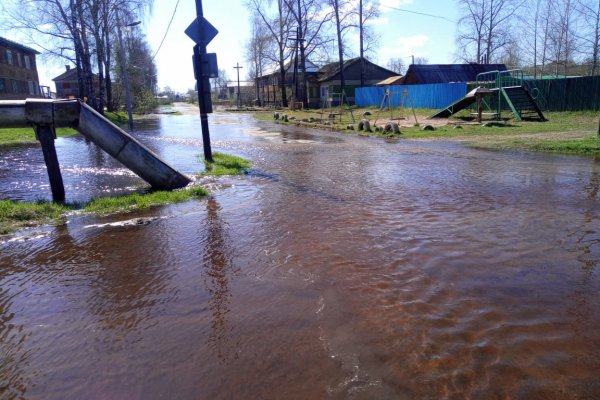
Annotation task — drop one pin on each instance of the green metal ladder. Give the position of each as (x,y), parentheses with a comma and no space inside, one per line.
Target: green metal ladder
(510,87)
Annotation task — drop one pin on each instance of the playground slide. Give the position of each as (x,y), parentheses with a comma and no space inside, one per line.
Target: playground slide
(455,107)
(126,149)
(470,98)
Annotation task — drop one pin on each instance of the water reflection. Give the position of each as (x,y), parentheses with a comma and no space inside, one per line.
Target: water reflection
(14,356)
(218,271)
(342,267)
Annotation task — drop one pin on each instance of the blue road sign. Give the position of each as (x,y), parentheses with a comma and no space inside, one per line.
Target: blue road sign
(201,31)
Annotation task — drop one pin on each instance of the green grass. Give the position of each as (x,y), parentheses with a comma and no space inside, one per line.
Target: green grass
(15,215)
(571,132)
(589,146)
(111,205)
(14,136)
(225,164)
(117,118)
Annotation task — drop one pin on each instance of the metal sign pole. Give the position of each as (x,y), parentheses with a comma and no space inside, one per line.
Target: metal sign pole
(203,84)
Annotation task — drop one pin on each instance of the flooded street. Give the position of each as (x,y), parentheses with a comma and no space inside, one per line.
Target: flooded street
(341,267)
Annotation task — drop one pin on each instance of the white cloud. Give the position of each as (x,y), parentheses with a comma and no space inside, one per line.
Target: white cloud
(387,5)
(378,21)
(406,46)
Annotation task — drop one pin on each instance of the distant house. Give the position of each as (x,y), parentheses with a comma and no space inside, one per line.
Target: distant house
(268,84)
(322,83)
(247,92)
(67,84)
(18,71)
(328,79)
(420,74)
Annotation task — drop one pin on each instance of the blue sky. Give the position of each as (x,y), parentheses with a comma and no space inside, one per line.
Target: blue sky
(403,34)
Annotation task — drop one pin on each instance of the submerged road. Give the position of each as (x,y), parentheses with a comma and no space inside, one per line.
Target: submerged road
(341,267)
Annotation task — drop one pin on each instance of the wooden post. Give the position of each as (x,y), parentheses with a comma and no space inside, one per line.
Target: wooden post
(46,136)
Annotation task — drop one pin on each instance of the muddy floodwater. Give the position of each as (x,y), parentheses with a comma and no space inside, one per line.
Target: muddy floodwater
(340,267)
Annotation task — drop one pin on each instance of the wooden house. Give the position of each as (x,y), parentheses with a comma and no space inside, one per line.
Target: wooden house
(323,83)
(18,71)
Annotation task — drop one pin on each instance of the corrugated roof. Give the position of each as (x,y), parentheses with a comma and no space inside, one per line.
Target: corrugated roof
(329,71)
(446,73)
(392,80)
(10,43)
(289,66)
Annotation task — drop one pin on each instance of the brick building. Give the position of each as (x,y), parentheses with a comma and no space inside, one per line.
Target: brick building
(18,71)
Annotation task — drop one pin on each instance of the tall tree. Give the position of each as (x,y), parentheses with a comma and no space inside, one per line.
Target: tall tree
(367,10)
(485,28)
(279,27)
(590,12)
(562,36)
(397,65)
(257,49)
(310,19)
(79,31)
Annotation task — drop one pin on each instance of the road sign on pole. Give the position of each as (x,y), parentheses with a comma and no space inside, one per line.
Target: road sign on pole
(205,67)
(200,30)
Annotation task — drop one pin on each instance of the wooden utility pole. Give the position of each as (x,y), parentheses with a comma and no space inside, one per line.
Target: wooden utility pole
(362,51)
(239,98)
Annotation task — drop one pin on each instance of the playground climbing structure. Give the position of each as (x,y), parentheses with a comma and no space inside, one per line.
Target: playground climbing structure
(494,88)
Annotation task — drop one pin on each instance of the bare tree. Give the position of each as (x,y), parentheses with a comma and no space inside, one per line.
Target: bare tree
(279,27)
(486,26)
(257,49)
(366,11)
(79,31)
(530,23)
(310,19)
(344,15)
(396,65)
(590,12)
(562,38)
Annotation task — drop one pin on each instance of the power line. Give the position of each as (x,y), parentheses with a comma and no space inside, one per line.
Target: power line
(167,31)
(417,13)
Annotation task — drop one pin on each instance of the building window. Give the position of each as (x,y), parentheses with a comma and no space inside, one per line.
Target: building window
(27,62)
(9,57)
(2,86)
(15,86)
(30,87)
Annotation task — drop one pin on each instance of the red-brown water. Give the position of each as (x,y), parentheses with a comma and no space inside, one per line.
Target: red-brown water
(342,267)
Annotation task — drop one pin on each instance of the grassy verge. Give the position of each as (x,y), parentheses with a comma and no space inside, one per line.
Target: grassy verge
(118,118)
(14,136)
(16,215)
(563,132)
(588,146)
(225,164)
(111,205)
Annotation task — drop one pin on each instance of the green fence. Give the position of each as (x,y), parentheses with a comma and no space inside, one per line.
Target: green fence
(563,94)
(567,94)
